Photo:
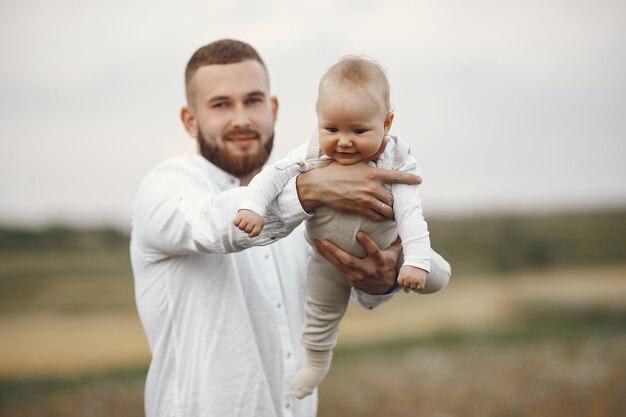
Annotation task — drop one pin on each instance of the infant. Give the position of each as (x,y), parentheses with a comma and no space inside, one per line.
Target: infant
(354,118)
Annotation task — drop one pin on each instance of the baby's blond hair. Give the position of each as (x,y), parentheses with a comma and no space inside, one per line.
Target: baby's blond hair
(359,71)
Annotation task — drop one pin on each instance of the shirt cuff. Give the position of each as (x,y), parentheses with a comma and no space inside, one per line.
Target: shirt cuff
(394,288)
(417,262)
(371,301)
(289,204)
(250,204)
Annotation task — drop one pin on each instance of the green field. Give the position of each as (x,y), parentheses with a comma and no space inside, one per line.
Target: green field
(533,324)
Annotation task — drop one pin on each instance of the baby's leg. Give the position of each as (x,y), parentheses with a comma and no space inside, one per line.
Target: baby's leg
(327,299)
(439,274)
(309,377)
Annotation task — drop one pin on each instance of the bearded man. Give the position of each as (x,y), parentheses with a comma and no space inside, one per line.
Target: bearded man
(223,313)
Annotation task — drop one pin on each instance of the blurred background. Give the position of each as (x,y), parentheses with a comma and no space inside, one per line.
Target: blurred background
(516,112)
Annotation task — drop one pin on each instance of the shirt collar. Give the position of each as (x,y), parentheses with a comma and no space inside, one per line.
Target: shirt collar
(222,178)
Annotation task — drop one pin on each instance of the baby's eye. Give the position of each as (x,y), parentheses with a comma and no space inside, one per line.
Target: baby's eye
(332,129)
(359,131)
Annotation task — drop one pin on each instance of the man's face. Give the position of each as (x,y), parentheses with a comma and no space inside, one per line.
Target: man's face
(233,116)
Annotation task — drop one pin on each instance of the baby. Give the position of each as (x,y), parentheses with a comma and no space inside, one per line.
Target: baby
(354,118)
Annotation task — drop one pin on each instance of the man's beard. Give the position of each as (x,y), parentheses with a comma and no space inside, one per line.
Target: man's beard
(235,165)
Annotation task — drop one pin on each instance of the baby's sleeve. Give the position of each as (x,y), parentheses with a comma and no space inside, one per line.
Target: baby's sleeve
(407,208)
(268,183)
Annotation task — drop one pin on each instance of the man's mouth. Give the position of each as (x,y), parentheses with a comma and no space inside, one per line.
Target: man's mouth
(242,140)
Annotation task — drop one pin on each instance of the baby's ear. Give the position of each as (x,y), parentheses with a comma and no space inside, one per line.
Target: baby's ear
(388,122)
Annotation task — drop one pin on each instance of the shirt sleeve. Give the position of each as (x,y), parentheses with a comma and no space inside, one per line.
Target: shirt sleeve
(370,301)
(412,227)
(269,183)
(176,214)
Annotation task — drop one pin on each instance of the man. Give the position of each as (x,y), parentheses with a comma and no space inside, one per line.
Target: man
(224,323)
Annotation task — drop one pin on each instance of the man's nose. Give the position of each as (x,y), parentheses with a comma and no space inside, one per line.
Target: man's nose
(241,118)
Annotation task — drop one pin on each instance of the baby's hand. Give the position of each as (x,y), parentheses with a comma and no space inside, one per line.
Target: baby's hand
(412,278)
(249,221)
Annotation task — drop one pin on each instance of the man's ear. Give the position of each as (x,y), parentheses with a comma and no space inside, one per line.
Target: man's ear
(274,102)
(189,121)
(388,122)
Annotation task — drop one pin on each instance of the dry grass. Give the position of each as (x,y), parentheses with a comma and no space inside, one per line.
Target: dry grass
(104,395)
(472,303)
(52,343)
(543,379)
(536,344)
(99,338)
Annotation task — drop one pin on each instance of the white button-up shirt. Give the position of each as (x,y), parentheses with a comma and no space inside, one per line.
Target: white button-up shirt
(223,323)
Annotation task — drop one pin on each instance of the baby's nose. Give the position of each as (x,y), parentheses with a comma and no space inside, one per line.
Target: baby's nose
(345,141)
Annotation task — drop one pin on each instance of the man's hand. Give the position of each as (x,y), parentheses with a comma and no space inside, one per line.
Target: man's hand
(249,222)
(373,274)
(355,188)
(412,278)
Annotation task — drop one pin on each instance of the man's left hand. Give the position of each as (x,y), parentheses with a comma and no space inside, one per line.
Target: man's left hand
(375,273)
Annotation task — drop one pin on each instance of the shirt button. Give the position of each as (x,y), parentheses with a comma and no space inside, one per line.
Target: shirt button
(287,405)
(288,355)
(278,305)
(267,256)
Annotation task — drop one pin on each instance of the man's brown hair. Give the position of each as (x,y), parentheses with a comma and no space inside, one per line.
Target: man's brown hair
(221,52)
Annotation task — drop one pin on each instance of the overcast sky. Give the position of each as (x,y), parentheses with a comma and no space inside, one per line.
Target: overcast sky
(509,105)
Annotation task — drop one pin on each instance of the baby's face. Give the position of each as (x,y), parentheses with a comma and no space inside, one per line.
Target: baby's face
(351,122)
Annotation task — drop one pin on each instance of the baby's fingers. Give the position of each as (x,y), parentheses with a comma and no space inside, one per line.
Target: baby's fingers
(256,230)
(403,282)
(243,225)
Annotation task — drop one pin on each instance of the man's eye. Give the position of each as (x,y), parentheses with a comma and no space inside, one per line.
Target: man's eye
(219,105)
(359,131)
(254,100)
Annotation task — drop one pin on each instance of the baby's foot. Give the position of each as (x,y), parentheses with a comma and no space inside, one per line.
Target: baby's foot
(309,377)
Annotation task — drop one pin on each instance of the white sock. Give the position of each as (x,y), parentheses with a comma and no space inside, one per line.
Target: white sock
(309,377)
